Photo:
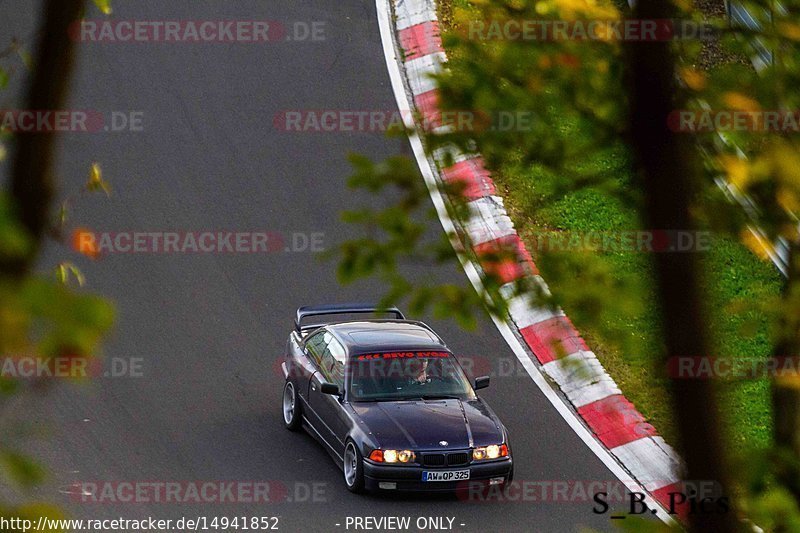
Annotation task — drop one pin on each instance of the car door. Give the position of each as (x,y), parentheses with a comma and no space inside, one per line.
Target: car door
(330,408)
(308,364)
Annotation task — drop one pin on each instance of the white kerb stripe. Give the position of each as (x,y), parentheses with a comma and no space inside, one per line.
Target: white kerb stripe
(412,12)
(541,284)
(581,377)
(651,460)
(420,70)
(450,154)
(488,220)
(443,129)
(522,309)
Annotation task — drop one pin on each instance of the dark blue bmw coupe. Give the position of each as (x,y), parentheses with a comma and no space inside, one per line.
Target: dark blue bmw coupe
(390,403)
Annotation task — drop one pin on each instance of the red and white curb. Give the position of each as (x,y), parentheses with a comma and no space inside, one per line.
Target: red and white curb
(544,340)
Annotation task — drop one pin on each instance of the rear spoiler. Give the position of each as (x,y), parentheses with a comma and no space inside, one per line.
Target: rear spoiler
(339,309)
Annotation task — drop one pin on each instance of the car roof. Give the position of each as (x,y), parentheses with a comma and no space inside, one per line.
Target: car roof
(380,335)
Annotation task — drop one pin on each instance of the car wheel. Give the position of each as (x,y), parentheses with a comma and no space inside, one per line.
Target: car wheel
(353,468)
(290,407)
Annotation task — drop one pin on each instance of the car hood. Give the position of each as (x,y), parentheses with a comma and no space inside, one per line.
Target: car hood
(422,425)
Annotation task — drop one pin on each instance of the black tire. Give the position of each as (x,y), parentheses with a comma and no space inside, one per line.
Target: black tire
(353,468)
(291,411)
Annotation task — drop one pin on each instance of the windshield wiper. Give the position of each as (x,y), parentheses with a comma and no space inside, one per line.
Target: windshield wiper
(440,397)
(431,397)
(408,398)
(380,399)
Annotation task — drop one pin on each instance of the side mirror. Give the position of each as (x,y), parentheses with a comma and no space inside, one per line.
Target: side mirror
(481,382)
(329,388)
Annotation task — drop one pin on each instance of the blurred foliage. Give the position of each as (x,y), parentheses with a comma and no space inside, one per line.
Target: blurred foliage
(576,145)
(573,89)
(769,504)
(96,182)
(32,513)
(41,318)
(104,6)
(398,239)
(569,93)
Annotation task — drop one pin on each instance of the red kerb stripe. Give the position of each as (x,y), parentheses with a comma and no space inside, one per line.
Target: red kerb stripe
(553,338)
(421,40)
(616,421)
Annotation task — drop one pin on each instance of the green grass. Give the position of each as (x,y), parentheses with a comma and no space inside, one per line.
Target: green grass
(735,284)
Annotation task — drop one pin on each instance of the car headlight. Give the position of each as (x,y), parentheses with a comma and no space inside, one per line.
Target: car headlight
(405,456)
(494,451)
(393,456)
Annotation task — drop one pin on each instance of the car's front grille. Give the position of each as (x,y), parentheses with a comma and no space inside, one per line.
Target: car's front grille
(433,459)
(449,459)
(457,459)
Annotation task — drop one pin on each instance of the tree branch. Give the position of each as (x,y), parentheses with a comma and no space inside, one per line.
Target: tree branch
(32,187)
(668,178)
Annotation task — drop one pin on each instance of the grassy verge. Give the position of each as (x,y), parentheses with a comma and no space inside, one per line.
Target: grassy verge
(736,283)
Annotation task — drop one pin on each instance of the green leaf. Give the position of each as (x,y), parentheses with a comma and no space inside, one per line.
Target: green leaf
(20,469)
(104,6)
(26,57)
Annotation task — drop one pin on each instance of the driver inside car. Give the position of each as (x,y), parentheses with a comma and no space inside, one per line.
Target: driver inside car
(418,370)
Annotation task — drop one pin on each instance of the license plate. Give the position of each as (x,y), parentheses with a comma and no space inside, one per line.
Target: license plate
(446,475)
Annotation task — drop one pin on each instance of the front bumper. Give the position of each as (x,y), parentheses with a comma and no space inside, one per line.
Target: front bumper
(409,478)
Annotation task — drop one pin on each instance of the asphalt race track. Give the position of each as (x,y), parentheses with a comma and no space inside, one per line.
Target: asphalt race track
(208,328)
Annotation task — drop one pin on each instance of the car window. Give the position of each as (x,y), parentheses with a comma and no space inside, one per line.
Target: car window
(333,363)
(394,376)
(315,345)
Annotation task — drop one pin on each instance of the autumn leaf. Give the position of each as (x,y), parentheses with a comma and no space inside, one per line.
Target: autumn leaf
(787,199)
(789,30)
(104,6)
(96,182)
(66,270)
(757,244)
(84,242)
(63,213)
(737,170)
(25,56)
(740,101)
(694,79)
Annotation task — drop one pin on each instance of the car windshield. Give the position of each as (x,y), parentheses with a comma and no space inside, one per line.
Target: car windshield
(396,376)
